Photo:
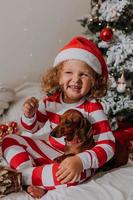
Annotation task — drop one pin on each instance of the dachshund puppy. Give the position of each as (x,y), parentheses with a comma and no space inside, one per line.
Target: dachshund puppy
(77,132)
(78,137)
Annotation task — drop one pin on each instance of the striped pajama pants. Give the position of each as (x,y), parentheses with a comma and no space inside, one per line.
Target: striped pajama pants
(34,158)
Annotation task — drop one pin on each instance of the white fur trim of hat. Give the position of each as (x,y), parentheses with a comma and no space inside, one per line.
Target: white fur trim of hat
(85,50)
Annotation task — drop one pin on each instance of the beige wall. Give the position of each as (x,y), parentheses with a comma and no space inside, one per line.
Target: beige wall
(31,33)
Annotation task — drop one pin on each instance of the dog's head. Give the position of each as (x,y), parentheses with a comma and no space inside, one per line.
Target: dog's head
(73,126)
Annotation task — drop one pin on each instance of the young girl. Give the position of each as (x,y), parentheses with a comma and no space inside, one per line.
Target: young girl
(77,80)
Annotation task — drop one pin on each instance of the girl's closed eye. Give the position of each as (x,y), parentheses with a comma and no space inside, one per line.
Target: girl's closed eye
(85,74)
(68,72)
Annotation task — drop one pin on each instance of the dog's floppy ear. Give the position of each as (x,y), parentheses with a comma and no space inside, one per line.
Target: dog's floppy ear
(84,129)
(88,127)
(85,124)
(82,122)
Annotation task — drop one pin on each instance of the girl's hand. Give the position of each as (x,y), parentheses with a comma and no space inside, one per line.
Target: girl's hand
(70,169)
(30,107)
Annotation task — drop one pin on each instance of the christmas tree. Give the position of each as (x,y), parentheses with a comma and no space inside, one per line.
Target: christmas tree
(110,25)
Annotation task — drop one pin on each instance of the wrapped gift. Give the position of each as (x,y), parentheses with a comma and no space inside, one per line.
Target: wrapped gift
(10,181)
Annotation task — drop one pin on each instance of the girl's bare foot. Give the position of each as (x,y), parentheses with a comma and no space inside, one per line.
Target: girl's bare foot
(35,192)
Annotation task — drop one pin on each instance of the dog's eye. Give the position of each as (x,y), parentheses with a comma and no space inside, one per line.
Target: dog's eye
(68,122)
(70,137)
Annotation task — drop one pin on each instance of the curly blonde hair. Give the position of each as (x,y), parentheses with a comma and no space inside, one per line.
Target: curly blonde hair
(50,81)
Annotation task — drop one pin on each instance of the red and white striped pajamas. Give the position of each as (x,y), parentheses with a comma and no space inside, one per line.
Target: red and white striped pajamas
(34,156)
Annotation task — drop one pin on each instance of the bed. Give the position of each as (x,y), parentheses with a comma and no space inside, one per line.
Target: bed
(113,185)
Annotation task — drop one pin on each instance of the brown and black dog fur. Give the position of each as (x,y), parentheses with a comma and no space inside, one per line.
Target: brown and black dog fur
(77,132)
(78,137)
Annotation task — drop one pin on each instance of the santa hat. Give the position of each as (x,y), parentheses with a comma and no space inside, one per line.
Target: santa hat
(85,50)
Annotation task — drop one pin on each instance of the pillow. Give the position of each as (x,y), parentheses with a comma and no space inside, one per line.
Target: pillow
(7,95)
(23,92)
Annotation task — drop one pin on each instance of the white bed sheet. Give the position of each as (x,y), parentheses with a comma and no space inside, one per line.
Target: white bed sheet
(114,185)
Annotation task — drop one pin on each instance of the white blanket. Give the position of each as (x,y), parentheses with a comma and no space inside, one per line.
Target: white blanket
(114,185)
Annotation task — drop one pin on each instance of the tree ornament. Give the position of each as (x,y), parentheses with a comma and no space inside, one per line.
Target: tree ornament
(106,34)
(121,84)
(9,128)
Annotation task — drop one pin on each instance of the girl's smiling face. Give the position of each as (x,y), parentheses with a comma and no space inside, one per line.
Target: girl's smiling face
(76,80)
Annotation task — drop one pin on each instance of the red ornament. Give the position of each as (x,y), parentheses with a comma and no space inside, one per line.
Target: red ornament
(13,124)
(10,128)
(106,34)
(3,127)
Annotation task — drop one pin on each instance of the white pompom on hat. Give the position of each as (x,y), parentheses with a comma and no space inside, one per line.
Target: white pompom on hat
(85,50)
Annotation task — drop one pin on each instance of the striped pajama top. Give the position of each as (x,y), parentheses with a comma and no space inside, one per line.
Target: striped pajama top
(48,115)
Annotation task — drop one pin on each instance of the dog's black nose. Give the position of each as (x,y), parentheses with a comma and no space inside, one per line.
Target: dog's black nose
(53,134)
